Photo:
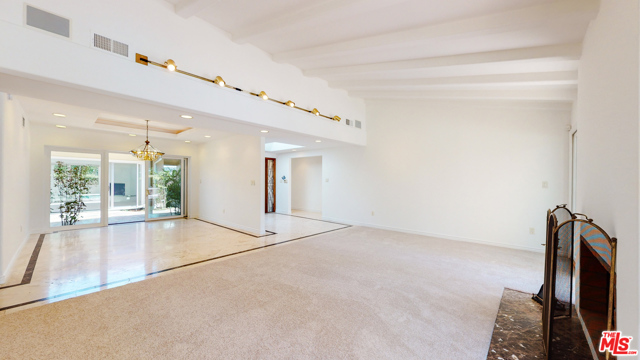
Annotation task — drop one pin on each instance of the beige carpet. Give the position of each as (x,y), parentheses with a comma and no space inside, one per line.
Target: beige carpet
(357,293)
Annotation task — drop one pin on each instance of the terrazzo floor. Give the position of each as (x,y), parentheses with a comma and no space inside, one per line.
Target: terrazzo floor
(77,262)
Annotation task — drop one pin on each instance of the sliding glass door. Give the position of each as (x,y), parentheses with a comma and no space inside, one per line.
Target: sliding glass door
(89,188)
(75,189)
(166,188)
(126,189)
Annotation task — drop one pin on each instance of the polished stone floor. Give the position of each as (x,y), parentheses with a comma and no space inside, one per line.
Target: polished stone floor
(517,333)
(115,216)
(78,262)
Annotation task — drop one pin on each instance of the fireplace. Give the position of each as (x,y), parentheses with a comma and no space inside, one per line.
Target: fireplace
(593,253)
(596,293)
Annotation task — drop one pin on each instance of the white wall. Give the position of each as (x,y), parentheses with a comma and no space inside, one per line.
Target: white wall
(306,184)
(232,183)
(48,135)
(151,28)
(608,145)
(126,174)
(456,170)
(14,182)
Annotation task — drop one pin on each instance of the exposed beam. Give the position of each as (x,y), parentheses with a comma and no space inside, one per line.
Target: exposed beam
(552,94)
(483,25)
(319,12)
(552,52)
(532,79)
(189,8)
(505,67)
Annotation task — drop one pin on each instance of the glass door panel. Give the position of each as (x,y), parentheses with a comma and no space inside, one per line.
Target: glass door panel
(75,189)
(126,189)
(165,191)
(270,182)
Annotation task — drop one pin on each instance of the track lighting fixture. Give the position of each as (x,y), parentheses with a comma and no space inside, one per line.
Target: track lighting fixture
(219,81)
(171,66)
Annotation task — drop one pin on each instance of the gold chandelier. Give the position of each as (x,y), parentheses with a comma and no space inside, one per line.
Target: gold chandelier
(146,151)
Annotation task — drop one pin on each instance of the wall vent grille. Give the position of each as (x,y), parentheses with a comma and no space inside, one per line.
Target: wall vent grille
(47,21)
(358,124)
(120,48)
(348,122)
(101,42)
(104,43)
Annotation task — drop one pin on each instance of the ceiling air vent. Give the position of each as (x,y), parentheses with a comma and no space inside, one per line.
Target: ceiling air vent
(358,124)
(104,43)
(47,21)
(101,42)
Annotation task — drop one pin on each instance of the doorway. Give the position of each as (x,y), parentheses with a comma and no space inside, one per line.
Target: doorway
(166,191)
(90,188)
(306,186)
(126,189)
(270,185)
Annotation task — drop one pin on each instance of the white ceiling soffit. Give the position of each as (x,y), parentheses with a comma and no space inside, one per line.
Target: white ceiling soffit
(416,48)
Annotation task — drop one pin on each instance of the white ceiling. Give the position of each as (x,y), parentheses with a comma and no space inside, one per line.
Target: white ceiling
(82,108)
(41,112)
(480,49)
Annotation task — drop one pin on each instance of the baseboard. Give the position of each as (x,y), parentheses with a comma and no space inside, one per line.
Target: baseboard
(441,236)
(307,210)
(232,225)
(5,276)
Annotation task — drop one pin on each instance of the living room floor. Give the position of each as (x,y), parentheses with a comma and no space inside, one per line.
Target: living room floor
(348,292)
(66,264)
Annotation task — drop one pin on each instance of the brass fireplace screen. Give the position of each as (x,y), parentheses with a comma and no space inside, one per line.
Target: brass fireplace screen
(578,250)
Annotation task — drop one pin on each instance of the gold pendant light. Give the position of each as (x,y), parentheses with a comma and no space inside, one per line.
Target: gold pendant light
(146,151)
